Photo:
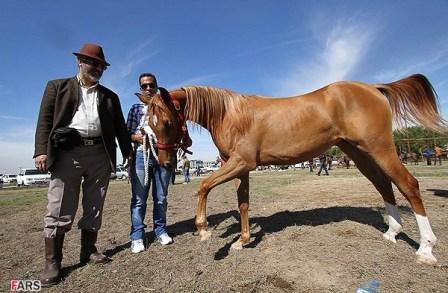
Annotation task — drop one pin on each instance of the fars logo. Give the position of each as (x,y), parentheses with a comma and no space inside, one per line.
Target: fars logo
(25,285)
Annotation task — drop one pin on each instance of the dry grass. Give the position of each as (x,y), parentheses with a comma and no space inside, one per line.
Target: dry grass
(309,234)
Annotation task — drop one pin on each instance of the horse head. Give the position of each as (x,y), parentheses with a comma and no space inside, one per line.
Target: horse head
(163,120)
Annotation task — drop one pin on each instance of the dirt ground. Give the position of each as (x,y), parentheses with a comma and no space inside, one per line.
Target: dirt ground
(309,234)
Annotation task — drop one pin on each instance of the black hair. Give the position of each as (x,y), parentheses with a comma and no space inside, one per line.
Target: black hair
(147,74)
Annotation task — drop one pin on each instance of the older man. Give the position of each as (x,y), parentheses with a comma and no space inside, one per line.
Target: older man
(78,122)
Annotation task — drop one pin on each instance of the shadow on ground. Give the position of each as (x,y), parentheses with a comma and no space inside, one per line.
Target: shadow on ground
(315,217)
(439,192)
(272,224)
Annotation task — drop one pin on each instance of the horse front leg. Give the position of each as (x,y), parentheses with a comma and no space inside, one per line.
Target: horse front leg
(232,169)
(242,185)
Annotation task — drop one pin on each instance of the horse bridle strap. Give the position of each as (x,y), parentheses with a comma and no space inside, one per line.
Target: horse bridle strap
(165,146)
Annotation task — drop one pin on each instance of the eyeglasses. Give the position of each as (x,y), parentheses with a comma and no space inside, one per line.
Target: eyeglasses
(146,86)
(94,64)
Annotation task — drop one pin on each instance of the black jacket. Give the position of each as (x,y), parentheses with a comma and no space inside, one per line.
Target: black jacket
(59,104)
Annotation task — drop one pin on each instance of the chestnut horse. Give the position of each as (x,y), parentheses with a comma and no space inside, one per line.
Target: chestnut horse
(250,130)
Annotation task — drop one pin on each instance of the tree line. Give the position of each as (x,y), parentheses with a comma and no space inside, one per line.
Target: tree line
(410,140)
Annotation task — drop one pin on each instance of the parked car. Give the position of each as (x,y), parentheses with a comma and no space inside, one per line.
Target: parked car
(120,173)
(32,177)
(1,182)
(10,178)
(210,169)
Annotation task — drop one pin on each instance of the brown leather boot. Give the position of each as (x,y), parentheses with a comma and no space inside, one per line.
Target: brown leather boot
(53,258)
(89,253)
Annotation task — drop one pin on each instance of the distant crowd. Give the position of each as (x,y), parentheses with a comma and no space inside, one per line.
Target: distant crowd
(430,156)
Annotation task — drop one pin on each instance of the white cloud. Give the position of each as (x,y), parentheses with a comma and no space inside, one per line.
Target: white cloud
(8,117)
(339,52)
(17,148)
(116,79)
(278,45)
(13,133)
(132,63)
(430,62)
(137,56)
(195,80)
(15,155)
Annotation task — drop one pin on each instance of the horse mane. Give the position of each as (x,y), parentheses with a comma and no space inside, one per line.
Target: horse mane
(209,106)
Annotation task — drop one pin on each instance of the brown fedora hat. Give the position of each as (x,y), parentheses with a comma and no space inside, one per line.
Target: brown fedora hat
(92,51)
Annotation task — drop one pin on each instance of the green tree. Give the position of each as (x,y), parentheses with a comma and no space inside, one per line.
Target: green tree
(417,137)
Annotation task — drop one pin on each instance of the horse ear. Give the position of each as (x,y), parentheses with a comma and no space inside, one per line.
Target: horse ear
(140,97)
(143,98)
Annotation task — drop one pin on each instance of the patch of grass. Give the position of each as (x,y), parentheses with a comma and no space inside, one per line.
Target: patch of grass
(11,199)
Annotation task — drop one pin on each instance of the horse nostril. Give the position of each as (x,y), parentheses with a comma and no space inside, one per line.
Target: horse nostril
(167,165)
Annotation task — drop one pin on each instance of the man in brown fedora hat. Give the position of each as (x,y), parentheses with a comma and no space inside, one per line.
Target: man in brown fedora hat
(78,122)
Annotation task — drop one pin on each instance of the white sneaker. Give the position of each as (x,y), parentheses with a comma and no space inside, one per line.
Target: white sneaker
(137,246)
(164,239)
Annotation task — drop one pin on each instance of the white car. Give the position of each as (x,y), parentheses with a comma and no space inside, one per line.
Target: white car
(9,178)
(120,173)
(32,177)
(211,168)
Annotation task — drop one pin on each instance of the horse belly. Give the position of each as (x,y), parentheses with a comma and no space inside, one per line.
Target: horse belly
(294,146)
(293,130)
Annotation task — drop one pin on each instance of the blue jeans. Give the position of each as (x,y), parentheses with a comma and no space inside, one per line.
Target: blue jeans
(187,175)
(160,178)
(323,167)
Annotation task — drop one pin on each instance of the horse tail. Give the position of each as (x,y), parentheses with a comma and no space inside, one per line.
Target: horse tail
(414,100)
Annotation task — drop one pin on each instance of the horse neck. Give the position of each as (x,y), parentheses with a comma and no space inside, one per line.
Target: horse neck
(211,107)
(181,97)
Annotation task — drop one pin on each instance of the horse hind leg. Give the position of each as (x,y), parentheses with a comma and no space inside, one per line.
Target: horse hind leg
(382,184)
(394,222)
(388,161)
(242,185)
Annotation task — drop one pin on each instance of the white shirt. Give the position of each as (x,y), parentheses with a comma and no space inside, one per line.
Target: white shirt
(86,119)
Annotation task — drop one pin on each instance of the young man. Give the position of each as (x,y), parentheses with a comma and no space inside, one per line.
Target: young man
(158,175)
(186,169)
(323,164)
(78,122)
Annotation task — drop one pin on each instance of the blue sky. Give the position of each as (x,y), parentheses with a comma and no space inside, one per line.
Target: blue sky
(271,48)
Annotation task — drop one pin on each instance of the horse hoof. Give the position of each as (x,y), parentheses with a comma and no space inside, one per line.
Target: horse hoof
(426,259)
(238,245)
(205,235)
(390,237)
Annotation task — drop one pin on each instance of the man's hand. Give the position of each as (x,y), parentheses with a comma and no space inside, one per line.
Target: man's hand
(127,161)
(138,137)
(41,163)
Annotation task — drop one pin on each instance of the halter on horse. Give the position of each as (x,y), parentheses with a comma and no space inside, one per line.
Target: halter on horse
(250,131)
(168,125)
